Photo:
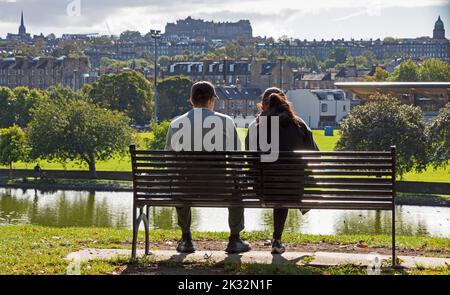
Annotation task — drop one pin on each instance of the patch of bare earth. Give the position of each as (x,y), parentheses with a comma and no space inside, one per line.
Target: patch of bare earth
(179,269)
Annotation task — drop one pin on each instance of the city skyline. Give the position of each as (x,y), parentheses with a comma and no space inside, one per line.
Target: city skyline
(313,21)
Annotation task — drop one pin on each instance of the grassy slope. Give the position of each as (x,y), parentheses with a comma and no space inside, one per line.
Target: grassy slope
(41,250)
(326,143)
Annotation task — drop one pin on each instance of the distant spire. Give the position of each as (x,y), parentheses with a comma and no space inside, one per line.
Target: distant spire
(22,29)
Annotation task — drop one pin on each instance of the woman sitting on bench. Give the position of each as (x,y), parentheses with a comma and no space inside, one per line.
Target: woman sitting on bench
(294,134)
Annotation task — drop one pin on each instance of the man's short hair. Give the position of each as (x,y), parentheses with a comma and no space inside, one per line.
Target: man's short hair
(202,92)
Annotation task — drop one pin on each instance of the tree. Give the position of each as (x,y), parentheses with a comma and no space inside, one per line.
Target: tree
(130,35)
(78,130)
(434,70)
(164,61)
(407,71)
(384,121)
(13,146)
(339,54)
(6,107)
(379,75)
(157,139)
(15,105)
(438,133)
(70,48)
(129,92)
(173,97)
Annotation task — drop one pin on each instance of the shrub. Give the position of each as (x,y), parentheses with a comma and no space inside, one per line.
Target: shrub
(384,121)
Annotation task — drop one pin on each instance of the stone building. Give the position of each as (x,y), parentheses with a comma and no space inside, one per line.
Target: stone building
(44,72)
(257,73)
(265,74)
(423,47)
(217,72)
(313,81)
(439,31)
(195,28)
(238,102)
(22,35)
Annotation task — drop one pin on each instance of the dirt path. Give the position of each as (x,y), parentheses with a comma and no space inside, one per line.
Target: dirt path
(215,245)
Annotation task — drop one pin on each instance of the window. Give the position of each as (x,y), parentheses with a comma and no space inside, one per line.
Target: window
(344,108)
(324,108)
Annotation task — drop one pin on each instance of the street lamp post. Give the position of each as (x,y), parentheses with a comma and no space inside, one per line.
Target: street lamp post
(155,34)
(281,59)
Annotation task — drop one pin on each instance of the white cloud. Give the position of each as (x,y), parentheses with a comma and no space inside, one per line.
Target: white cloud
(310,19)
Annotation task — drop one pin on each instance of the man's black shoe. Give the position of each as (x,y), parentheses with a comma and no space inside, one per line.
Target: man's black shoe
(185,245)
(237,245)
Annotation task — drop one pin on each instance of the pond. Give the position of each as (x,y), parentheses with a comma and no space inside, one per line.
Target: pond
(113,209)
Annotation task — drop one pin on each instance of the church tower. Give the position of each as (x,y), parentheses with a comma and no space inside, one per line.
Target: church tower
(439,31)
(22,29)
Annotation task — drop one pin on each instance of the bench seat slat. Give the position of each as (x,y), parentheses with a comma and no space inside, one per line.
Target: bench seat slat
(304,205)
(200,183)
(257,154)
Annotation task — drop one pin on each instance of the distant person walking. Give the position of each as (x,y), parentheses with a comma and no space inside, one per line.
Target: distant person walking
(38,173)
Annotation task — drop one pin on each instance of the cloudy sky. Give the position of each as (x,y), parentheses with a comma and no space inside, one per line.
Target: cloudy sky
(303,19)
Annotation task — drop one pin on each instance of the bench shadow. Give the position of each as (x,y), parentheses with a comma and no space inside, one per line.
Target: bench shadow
(280,259)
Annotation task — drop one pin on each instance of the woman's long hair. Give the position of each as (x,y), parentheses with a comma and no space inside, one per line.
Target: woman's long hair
(274,102)
(265,97)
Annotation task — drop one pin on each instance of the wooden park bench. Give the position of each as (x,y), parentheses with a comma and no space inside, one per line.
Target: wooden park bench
(301,180)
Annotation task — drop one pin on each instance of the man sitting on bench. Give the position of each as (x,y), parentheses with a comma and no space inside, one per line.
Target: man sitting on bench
(198,119)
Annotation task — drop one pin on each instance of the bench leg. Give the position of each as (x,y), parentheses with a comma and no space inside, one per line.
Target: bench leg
(135,234)
(146,220)
(394,256)
(143,217)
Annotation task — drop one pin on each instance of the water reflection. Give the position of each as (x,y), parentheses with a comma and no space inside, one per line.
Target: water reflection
(101,209)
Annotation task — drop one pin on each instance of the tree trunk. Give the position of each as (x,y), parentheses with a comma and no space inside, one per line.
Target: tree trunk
(10,170)
(92,171)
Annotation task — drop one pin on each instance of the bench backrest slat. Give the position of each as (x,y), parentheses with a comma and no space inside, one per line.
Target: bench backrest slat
(297,179)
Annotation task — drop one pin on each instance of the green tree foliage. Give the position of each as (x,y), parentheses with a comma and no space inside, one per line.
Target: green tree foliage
(236,51)
(339,54)
(70,48)
(173,97)
(36,49)
(379,75)
(366,60)
(62,93)
(77,130)
(13,146)
(157,139)
(438,132)
(129,92)
(15,105)
(130,35)
(407,71)
(311,62)
(164,61)
(384,121)
(430,70)
(434,70)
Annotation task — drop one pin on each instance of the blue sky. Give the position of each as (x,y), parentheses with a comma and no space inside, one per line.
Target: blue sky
(299,19)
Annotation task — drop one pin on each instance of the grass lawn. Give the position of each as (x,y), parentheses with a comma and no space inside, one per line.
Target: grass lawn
(325,143)
(30,249)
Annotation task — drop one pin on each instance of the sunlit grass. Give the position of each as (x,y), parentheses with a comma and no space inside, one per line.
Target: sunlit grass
(27,249)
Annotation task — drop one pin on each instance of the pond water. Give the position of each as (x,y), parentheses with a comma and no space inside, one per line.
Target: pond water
(113,209)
